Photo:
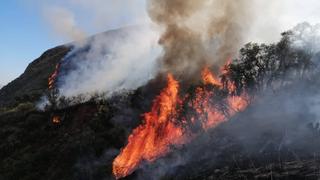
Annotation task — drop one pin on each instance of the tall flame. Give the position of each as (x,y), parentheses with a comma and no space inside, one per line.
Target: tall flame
(152,139)
(167,124)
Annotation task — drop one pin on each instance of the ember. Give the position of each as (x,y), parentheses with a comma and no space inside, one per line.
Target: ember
(56,119)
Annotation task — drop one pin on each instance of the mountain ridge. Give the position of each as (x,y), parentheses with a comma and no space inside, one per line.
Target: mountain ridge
(31,84)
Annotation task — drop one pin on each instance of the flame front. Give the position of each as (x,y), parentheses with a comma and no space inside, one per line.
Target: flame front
(152,139)
(174,121)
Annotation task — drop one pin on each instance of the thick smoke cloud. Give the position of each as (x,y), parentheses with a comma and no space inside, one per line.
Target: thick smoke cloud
(199,33)
(118,60)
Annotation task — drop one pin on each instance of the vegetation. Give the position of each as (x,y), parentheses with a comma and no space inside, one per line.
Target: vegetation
(271,66)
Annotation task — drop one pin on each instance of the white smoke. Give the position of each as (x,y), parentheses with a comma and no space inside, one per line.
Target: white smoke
(275,16)
(116,61)
(306,36)
(64,23)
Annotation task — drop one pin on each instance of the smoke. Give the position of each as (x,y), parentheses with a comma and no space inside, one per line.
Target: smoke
(199,33)
(307,37)
(110,62)
(63,23)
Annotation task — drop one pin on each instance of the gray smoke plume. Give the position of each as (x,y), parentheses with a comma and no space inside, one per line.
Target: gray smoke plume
(199,33)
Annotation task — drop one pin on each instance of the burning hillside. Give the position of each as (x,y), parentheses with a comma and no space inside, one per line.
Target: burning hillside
(175,120)
(179,99)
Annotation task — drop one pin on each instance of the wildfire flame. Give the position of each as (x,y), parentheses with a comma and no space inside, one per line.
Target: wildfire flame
(52,78)
(209,78)
(151,139)
(168,124)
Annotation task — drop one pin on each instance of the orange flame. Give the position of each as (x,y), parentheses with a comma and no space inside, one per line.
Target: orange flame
(53,77)
(209,78)
(166,125)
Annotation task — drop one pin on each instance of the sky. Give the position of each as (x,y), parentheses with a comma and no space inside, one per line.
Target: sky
(29,27)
